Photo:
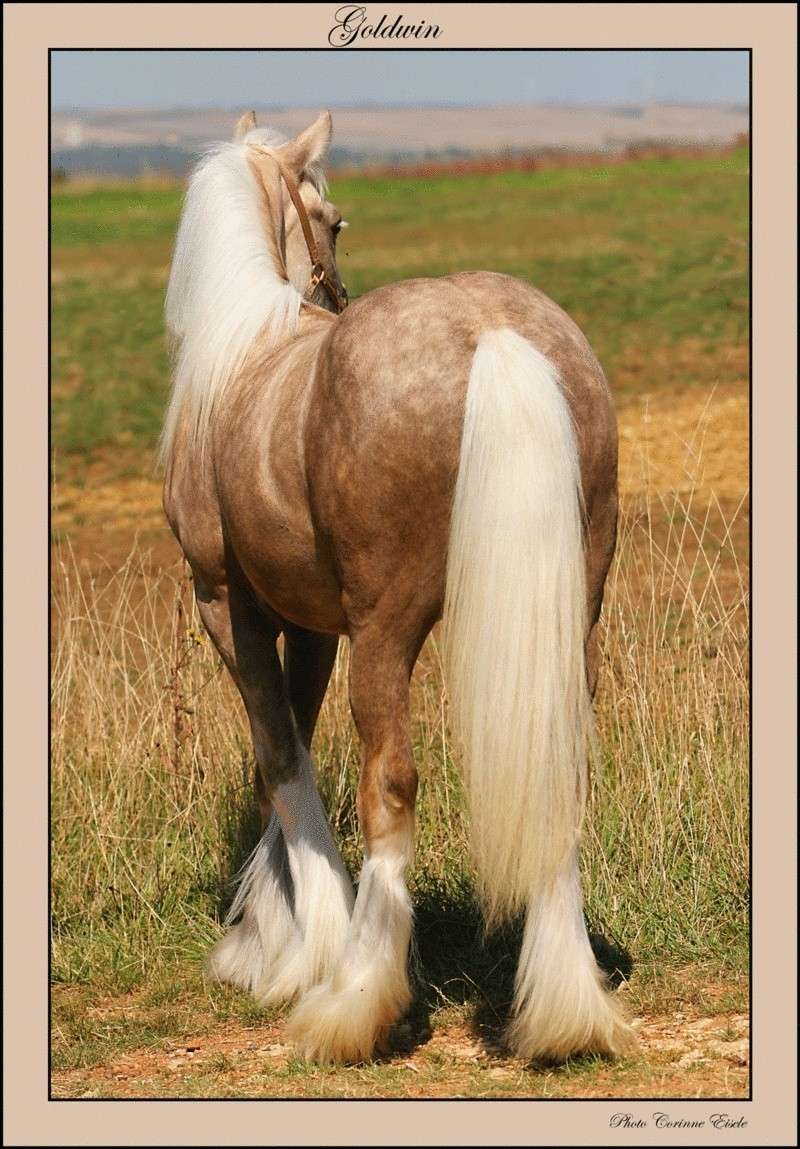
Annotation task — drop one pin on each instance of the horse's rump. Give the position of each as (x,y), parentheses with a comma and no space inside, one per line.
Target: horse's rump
(384,423)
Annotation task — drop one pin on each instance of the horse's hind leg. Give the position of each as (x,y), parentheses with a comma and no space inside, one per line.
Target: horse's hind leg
(601,538)
(308,662)
(294,899)
(262,909)
(323,892)
(344,1017)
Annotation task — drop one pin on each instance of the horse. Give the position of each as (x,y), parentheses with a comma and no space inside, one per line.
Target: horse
(442,448)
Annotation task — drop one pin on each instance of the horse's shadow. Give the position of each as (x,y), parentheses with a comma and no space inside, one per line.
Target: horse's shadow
(240,832)
(455,963)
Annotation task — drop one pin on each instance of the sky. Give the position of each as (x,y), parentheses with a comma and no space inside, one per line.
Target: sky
(196,79)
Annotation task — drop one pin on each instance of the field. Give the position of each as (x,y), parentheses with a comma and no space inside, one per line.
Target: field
(152,809)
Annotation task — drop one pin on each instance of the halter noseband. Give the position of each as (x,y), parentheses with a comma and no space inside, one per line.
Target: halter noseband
(318,272)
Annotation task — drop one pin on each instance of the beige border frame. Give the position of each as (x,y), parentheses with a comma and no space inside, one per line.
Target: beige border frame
(770,30)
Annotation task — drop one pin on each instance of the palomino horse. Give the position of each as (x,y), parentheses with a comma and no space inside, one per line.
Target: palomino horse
(443,446)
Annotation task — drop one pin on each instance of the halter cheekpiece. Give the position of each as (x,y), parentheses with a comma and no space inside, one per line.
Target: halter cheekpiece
(319,275)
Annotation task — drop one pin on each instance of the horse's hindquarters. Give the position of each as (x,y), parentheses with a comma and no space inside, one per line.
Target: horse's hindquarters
(384,425)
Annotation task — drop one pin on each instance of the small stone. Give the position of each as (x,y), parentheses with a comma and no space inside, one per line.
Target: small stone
(737,1052)
(499,1073)
(705,1023)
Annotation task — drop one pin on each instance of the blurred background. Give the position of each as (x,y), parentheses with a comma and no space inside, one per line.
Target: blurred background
(616,182)
(134,112)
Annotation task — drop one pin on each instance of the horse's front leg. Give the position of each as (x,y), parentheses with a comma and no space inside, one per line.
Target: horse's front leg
(293,904)
(343,1018)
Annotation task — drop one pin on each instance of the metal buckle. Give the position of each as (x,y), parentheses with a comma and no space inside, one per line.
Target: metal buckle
(317,276)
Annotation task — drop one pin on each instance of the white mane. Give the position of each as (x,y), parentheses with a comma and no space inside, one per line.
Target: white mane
(223,288)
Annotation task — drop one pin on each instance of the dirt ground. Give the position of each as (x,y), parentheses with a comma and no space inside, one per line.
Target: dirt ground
(692,1044)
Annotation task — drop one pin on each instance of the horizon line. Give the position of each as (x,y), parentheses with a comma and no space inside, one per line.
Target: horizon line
(381,105)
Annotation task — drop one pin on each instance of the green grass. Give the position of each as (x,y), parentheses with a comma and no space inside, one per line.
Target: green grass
(655,249)
(127,214)
(109,362)
(642,255)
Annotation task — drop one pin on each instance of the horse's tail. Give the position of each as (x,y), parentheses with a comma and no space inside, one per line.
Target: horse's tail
(515,610)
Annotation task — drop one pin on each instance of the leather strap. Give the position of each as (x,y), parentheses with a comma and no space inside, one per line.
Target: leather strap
(318,273)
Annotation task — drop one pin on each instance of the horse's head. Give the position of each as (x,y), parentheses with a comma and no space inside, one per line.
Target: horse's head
(288,169)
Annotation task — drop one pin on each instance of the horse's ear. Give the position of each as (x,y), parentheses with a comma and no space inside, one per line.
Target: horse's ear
(311,146)
(244,125)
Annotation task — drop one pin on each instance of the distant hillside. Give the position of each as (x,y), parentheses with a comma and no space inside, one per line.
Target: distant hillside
(168,140)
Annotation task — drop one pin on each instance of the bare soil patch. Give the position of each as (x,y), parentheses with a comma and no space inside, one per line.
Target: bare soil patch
(688,1048)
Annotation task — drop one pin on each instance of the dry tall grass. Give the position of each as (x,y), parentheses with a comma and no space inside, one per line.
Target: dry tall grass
(152,807)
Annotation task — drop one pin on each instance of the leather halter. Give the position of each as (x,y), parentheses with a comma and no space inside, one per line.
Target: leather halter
(318,273)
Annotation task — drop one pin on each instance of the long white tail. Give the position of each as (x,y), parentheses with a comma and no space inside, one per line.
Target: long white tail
(515,609)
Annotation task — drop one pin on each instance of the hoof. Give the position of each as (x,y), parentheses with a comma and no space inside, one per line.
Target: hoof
(345,1025)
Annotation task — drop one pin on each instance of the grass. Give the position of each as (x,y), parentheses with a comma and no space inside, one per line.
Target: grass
(643,256)
(152,806)
(152,770)
(642,244)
